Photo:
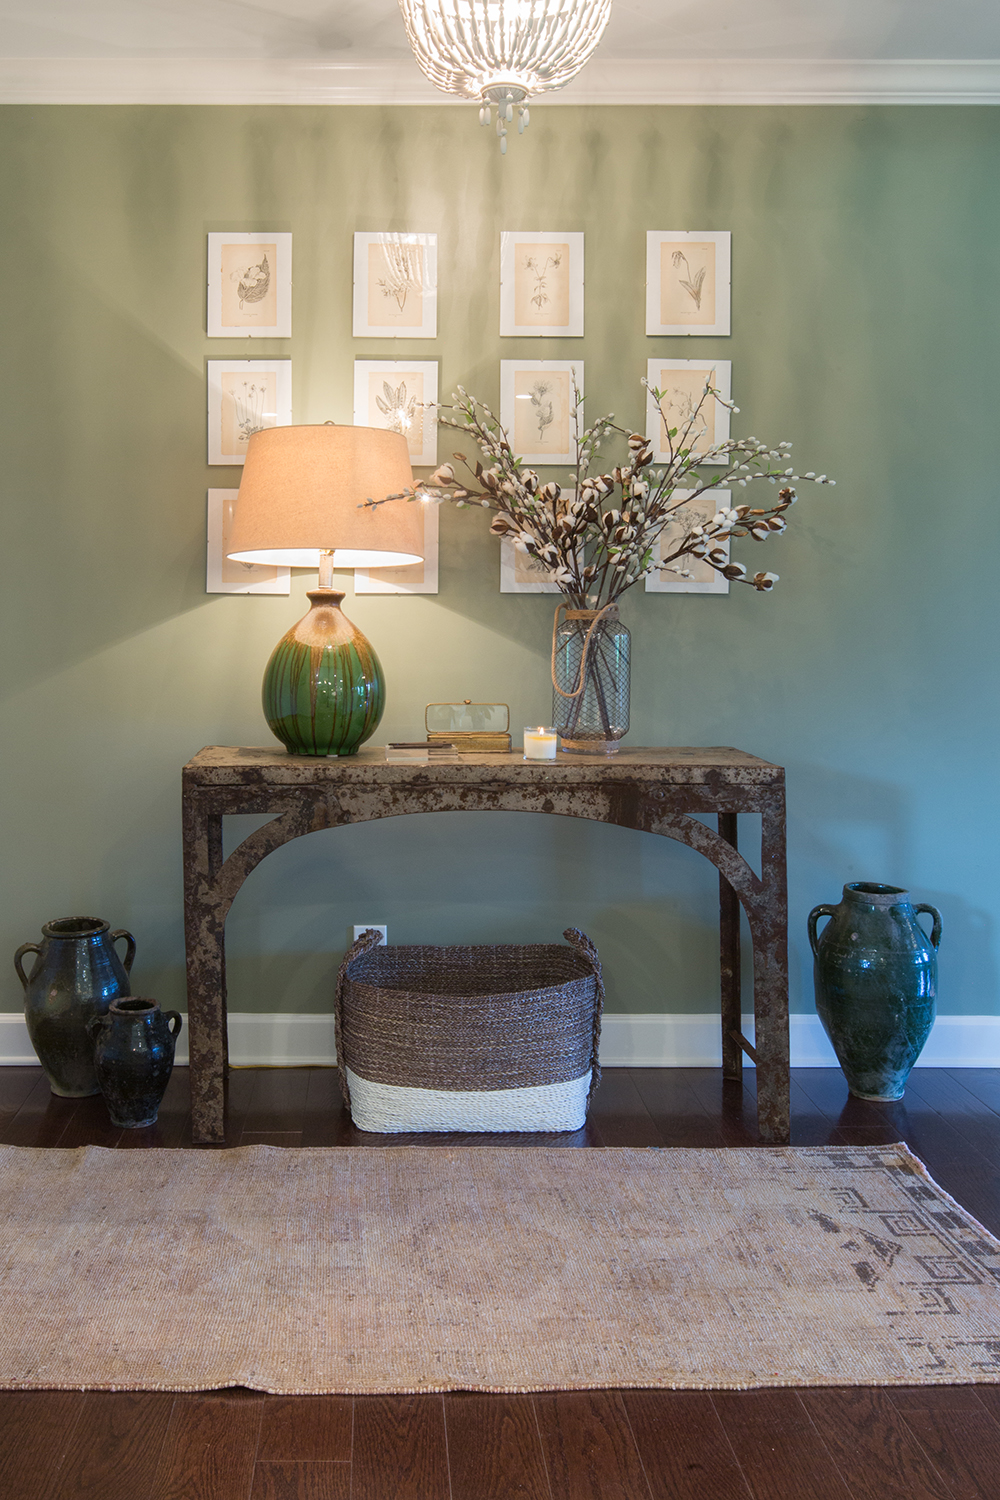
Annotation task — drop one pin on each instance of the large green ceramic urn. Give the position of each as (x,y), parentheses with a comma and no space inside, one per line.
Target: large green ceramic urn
(876,984)
(324,689)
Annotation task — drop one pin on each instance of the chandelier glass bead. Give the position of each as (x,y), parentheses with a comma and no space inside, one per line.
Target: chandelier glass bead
(503,52)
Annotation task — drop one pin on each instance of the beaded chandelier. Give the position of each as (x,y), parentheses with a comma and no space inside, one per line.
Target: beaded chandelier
(503,52)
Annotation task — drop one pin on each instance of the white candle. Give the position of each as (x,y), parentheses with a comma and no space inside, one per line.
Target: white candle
(539,742)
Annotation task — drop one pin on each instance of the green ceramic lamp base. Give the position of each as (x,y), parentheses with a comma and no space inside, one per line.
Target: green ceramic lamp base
(324,691)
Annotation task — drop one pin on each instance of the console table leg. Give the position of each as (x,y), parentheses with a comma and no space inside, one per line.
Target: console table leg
(204,933)
(773,1084)
(770,985)
(729,945)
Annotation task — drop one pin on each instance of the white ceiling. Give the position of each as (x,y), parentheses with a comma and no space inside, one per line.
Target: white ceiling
(354,50)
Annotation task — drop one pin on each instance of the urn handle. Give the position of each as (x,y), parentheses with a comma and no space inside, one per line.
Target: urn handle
(120,932)
(27,948)
(174,1015)
(936,929)
(94,1025)
(814,916)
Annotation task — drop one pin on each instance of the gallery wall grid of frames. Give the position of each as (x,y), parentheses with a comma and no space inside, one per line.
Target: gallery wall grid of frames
(395,293)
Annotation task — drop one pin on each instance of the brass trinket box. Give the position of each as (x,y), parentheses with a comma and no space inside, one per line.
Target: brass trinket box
(470,727)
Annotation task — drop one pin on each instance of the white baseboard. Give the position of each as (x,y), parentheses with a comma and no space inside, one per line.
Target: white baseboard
(627,1041)
(273,1040)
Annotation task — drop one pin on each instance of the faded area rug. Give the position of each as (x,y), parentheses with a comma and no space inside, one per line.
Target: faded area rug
(406,1269)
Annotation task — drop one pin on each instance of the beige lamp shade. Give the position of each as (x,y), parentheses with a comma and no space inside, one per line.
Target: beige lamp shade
(302,493)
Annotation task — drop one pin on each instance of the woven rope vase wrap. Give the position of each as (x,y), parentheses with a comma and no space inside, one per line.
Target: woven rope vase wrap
(486,1038)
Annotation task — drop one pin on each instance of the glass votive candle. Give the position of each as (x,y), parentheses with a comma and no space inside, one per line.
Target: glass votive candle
(540,742)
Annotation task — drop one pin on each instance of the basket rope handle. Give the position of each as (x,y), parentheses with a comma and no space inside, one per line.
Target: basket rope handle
(369,939)
(583,657)
(582,942)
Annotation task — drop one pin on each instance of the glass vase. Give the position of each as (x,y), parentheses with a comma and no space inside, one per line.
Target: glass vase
(590,681)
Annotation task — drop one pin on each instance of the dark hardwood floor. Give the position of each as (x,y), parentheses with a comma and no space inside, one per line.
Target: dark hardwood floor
(925,1443)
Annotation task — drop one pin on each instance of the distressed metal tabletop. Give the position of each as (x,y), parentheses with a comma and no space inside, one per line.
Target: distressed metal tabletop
(230,765)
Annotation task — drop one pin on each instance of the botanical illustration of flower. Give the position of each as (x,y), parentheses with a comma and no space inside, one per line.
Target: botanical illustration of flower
(677,409)
(253,282)
(694,281)
(400,410)
(544,408)
(404,265)
(680,402)
(683,519)
(539,295)
(249,410)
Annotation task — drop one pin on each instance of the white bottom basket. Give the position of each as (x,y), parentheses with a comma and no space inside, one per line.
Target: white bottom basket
(390,1109)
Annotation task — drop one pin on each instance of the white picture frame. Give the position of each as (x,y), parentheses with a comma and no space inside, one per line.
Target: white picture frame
(683,381)
(541,284)
(536,408)
(400,395)
(688,282)
(395,285)
(704,579)
(223,576)
(249,286)
(245,395)
(414,578)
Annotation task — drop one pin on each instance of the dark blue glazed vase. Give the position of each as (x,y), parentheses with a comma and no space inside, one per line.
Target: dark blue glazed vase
(134,1058)
(76,977)
(876,985)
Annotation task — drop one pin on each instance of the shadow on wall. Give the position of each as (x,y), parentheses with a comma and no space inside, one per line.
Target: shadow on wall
(117,506)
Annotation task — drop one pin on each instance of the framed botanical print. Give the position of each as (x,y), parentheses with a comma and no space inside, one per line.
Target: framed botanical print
(537,408)
(541,284)
(395,285)
(249,286)
(226,576)
(402,396)
(415,578)
(244,396)
(687,282)
(689,575)
(682,383)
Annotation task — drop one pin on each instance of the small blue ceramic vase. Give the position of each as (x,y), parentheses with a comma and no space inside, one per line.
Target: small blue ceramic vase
(876,985)
(134,1058)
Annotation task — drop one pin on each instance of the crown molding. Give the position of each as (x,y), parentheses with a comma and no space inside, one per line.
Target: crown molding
(788,81)
(177,80)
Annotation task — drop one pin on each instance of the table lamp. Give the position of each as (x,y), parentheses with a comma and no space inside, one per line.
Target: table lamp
(301,505)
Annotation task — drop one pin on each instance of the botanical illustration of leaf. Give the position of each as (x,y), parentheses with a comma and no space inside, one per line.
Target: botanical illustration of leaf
(693,288)
(400,410)
(405,270)
(254,283)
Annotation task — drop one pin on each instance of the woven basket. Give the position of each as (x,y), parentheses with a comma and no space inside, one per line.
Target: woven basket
(487,1038)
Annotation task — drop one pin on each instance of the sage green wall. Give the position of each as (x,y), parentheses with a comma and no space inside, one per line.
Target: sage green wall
(865,327)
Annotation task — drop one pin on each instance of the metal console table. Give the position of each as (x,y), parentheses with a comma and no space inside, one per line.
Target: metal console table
(659,791)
